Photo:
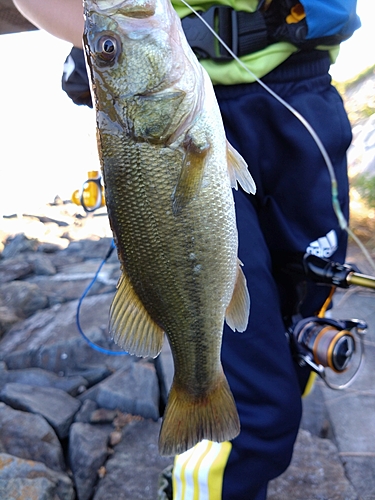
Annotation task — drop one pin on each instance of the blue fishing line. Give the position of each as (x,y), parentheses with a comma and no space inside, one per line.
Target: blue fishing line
(94,346)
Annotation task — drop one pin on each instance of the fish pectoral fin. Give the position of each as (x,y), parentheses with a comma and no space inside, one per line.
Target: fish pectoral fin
(131,326)
(188,419)
(238,310)
(238,171)
(191,174)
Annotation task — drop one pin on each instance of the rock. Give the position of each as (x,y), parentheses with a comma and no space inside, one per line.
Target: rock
(165,371)
(72,281)
(63,258)
(315,473)
(46,353)
(87,453)
(23,298)
(133,471)
(7,319)
(18,244)
(63,289)
(49,247)
(47,220)
(55,405)
(14,268)
(29,480)
(115,438)
(133,389)
(42,378)
(84,413)
(103,416)
(40,445)
(108,275)
(50,339)
(315,417)
(43,266)
(91,249)
(92,375)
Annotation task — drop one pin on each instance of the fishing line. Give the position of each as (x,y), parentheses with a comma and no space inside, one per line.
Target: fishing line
(334,191)
(94,346)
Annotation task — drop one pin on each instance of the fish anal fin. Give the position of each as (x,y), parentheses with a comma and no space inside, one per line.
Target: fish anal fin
(191,175)
(238,310)
(188,420)
(238,171)
(131,326)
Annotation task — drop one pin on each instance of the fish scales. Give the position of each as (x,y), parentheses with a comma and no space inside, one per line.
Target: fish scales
(159,249)
(168,173)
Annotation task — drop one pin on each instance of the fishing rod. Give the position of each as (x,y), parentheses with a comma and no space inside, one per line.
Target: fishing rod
(324,271)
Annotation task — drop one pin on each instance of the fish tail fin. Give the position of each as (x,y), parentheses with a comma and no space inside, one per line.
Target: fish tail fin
(189,419)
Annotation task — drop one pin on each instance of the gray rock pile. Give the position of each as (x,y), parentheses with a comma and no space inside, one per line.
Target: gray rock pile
(74,423)
(77,424)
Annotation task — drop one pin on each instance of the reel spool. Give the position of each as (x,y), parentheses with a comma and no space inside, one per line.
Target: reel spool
(323,343)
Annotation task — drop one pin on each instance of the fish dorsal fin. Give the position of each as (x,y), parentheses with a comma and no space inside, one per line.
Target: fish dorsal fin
(131,326)
(191,175)
(238,171)
(237,313)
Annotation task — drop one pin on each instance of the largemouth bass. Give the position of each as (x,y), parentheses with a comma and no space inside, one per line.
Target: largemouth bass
(168,172)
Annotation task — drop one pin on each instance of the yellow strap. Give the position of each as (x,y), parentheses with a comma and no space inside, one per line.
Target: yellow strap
(198,473)
(297,13)
(310,384)
(327,302)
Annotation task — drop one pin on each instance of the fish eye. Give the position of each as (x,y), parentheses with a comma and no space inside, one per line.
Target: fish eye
(107,48)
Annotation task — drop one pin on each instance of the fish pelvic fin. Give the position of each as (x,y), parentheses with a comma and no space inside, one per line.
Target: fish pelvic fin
(238,310)
(189,419)
(191,175)
(130,324)
(238,171)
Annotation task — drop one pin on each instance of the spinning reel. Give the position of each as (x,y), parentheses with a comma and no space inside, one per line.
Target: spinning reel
(321,342)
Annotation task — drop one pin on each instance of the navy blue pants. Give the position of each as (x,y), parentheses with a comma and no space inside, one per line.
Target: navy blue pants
(291,213)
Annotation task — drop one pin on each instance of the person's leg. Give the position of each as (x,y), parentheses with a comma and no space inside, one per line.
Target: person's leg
(261,374)
(294,189)
(290,212)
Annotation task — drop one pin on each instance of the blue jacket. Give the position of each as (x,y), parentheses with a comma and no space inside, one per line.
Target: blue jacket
(335,17)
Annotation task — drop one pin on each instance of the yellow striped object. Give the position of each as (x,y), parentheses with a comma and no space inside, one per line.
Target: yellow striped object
(198,473)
